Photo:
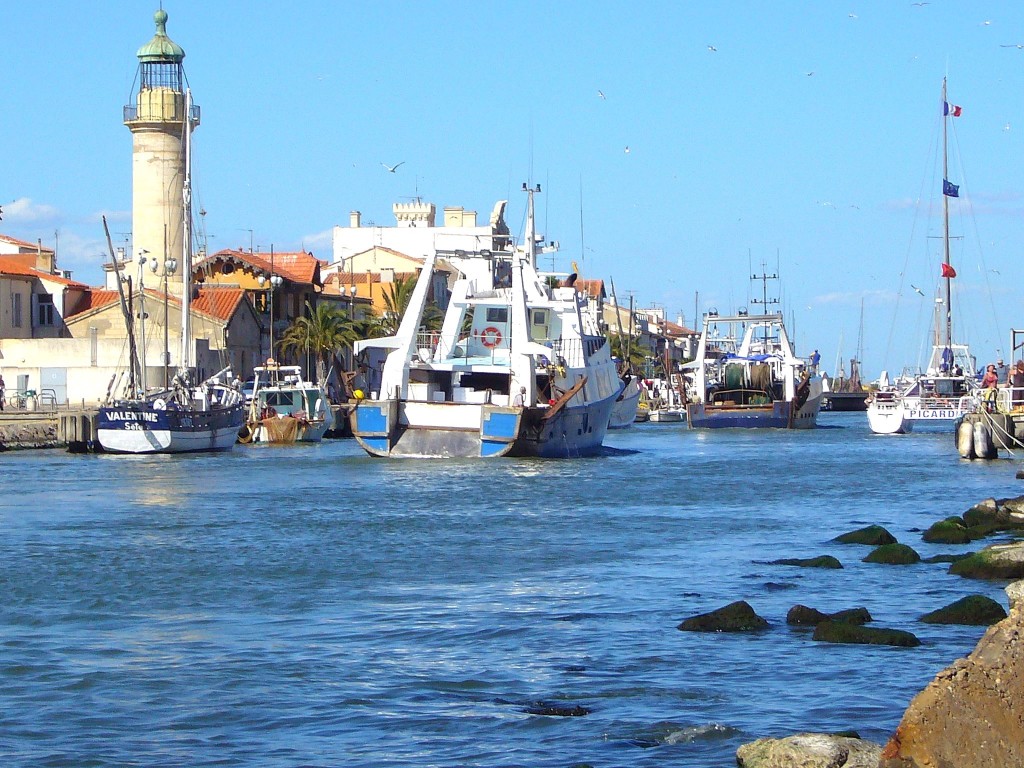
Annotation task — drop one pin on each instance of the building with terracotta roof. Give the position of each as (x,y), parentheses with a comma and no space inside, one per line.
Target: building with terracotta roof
(299,282)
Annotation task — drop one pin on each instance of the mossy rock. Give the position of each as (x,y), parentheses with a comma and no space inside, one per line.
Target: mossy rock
(996,562)
(893,554)
(735,617)
(945,558)
(824,561)
(948,531)
(801,615)
(873,535)
(839,632)
(993,515)
(973,610)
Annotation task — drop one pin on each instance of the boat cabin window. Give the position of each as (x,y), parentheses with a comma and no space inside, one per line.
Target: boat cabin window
(283,400)
(497,314)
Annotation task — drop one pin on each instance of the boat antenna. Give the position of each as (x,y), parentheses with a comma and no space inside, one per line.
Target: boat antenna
(947,269)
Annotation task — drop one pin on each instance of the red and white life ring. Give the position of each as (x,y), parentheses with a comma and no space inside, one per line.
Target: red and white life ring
(491,337)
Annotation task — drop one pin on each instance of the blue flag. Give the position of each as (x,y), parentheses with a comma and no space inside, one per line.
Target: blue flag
(950,190)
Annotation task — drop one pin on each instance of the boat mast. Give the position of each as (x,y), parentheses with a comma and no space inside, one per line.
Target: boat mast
(133,357)
(945,220)
(186,245)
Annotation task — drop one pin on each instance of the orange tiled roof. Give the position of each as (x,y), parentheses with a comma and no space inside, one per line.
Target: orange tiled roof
(218,303)
(592,288)
(298,267)
(25,244)
(59,279)
(10,265)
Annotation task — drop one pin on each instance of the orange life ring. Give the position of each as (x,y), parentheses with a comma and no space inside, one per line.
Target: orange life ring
(491,337)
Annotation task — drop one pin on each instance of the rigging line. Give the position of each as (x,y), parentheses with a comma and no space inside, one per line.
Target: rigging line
(968,203)
(911,241)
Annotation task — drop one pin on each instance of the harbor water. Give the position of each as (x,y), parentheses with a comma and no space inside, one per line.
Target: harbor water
(310,606)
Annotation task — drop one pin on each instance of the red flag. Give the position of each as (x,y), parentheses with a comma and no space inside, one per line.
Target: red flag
(948,271)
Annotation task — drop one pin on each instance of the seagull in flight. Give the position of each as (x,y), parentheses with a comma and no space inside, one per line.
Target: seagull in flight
(1018,46)
(712,48)
(601,93)
(392,168)
(917,289)
(920,5)
(627,149)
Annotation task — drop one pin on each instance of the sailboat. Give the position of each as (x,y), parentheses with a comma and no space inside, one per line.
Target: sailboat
(844,393)
(184,417)
(519,368)
(948,388)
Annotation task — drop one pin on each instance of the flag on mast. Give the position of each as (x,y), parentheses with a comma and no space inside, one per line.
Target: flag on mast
(951,109)
(947,270)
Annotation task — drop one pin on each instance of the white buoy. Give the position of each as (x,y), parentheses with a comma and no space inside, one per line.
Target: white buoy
(983,447)
(965,440)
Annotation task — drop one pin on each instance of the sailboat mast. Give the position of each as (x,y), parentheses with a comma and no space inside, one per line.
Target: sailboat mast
(186,245)
(945,218)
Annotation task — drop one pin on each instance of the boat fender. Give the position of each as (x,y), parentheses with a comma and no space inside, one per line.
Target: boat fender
(965,440)
(159,404)
(245,434)
(491,337)
(983,447)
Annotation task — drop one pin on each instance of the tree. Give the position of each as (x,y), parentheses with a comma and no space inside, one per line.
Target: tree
(324,331)
(396,302)
(619,344)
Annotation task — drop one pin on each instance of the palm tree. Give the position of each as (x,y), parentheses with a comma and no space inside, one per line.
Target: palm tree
(324,330)
(620,344)
(396,302)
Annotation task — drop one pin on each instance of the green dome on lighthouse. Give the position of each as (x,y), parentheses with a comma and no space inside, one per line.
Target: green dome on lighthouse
(161,49)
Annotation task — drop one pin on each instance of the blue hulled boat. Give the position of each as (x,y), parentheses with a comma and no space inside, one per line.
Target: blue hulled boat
(519,368)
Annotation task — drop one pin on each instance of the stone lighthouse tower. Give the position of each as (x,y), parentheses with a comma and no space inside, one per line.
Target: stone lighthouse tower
(156,117)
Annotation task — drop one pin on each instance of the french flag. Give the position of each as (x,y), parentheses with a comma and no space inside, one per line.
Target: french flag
(951,109)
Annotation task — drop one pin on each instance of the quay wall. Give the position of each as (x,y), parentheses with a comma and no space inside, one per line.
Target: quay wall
(74,429)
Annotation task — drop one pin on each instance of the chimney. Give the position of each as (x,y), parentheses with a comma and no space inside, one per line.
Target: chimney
(354,219)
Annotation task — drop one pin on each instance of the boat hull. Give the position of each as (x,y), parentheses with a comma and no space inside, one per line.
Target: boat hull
(889,418)
(140,428)
(624,411)
(406,429)
(846,401)
(779,414)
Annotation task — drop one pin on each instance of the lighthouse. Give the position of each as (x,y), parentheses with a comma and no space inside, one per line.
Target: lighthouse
(156,117)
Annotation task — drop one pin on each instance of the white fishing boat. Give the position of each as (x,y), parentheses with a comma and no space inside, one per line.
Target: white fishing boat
(666,401)
(519,368)
(948,388)
(183,418)
(757,382)
(285,408)
(624,412)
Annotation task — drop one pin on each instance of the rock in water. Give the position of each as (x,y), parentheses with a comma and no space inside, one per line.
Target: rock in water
(809,750)
(840,632)
(973,610)
(893,554)
(972,713)
(999,561)
(822,561)
(948,531)
(802,615)
(735,617)
(875,535)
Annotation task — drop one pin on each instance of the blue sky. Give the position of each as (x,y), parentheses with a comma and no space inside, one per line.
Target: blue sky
(804,143)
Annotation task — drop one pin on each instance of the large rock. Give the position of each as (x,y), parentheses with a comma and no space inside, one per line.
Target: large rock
(735,617)
(809,750)
(875,535)
(972,713)
(1001,515)
(999,561)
